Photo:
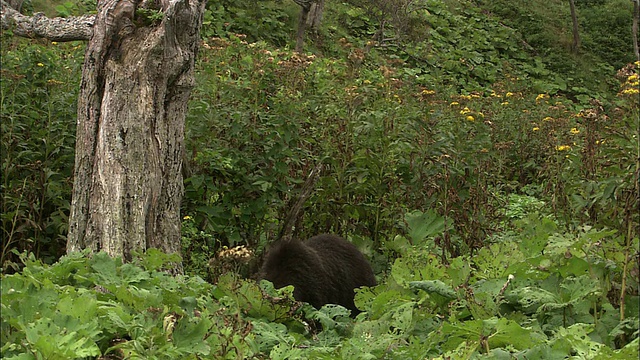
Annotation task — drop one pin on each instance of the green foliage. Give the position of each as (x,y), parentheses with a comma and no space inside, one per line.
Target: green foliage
(66,9)
(198,247)
(520,205)
(61,8)
(231,193)
(149,17)
(259,20)
(546,27)
(38,109)
(422,225)
(92,305)
(464,151)
(462,135)
(606,31)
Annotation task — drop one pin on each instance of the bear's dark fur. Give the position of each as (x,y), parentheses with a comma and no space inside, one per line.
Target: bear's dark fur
(323,270)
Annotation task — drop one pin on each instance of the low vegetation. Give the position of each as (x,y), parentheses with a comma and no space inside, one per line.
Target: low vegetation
(488,173)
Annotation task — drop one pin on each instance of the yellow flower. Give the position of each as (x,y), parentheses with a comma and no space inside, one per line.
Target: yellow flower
(509,94)
(367,81)
(536,128)
(548,118)
(428,92)
(563,147)
(54,43)
(541,97)
(632,78)
(465,111)
(454,103)
(40,64)
(505,103)
(575,131)
(630,91)
(470,118)
(187,217)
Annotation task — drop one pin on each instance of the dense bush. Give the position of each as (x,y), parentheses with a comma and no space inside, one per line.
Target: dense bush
(539,293)
(389,145)
(38,95)
(259,20)
(606,31)
(495,194)
(546,29)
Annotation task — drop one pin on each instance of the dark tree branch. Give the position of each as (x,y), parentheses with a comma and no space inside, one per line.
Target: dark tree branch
(296,204)
(576,34)
(40,26)
(302,23)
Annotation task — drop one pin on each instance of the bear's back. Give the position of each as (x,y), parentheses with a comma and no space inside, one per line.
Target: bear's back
(323,270)
(345,266)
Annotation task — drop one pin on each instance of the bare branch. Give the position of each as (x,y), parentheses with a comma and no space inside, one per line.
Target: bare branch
(296,204)
(40,26)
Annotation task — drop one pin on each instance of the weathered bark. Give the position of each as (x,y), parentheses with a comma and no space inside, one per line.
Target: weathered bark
(40,26)
(16,4)
(315,15)
(131,110)
(576,35)
(302,24)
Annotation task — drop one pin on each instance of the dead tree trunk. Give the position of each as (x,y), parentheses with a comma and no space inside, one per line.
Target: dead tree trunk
(133,98)
(302,23)
(315,15)
(575,47)
(136,80)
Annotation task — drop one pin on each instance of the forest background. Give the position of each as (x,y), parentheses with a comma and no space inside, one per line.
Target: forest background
(483,160)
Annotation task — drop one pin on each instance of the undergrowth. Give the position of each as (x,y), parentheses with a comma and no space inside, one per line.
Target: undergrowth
(538,293)
(495,193)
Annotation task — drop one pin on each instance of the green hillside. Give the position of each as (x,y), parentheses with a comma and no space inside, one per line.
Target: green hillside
(486,168)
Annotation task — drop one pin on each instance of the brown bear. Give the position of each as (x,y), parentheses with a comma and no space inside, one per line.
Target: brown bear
(326,269)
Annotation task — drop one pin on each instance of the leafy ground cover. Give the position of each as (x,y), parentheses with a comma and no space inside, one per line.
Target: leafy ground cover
(540,293)
(495,194)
